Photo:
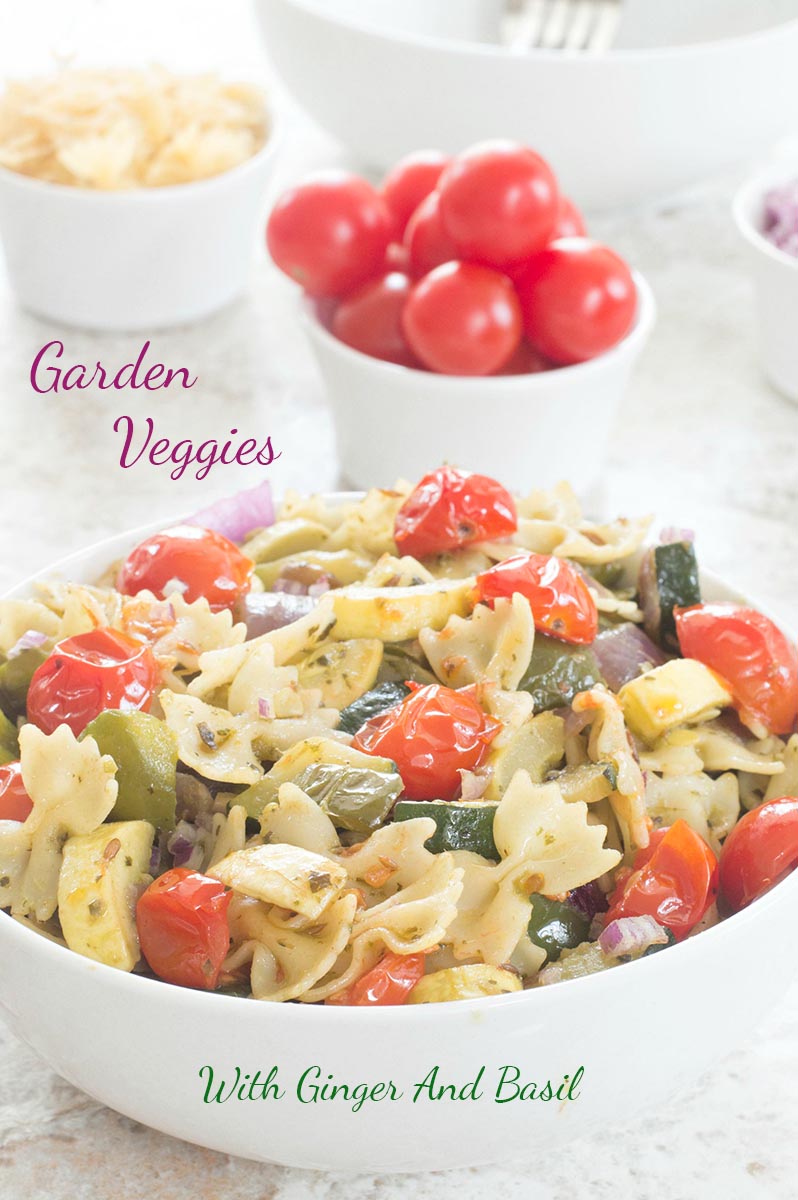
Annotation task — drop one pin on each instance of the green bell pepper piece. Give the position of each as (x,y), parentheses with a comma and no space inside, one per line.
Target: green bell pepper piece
(556,926)
(354,798)
(9,743)
(557,672)
(15,676)
(145,752)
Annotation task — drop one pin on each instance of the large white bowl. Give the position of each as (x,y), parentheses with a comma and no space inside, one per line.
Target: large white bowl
(616,128)
(138,1045)
(393,421)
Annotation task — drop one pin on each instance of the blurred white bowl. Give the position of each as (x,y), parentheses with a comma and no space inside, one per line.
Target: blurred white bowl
(616,128)
(138,1045)
(775,278)
(393,421)
(143,258)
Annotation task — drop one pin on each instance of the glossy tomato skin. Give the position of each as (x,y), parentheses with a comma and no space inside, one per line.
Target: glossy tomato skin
(15,803)
(450,508)
(578,300)
(526,361)
(753,656)
(89,673)
(674,880)
(463,319)
(433,734)
(499,203)
(409,182)
(193,561)
(561,603)
(569,222)
(183,930)
(330,233)
(427,243)
(389,983)
(760,850)
(370,320)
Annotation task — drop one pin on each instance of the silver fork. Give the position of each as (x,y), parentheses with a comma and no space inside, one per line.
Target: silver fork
(575,25)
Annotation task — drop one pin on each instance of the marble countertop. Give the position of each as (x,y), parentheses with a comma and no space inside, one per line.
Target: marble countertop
(701,440)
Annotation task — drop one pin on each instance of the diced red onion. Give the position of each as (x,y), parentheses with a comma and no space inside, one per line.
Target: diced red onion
(30,640)
(236,516)
(589,899)
(780,224)
(474,783)
(265,709)
(624,652)
(323,584)
(290,587)
(672,534)
(631,935)
(264,611)
(575,722)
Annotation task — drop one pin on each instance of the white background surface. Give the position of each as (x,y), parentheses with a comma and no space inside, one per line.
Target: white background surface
(702,441)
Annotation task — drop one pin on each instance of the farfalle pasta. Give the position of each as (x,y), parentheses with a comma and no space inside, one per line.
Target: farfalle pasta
(374,754)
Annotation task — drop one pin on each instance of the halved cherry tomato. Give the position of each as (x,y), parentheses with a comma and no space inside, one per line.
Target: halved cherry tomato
(390,982)
(15,803)
(431,736)
(182,925)
(190,560)
(330,233)
(450,508)
(753,656)
(409,182)
(760,850)
(427,243)
(463,319)
(86,674)
(370,320)
(498,203)
(561,603)
(674,883)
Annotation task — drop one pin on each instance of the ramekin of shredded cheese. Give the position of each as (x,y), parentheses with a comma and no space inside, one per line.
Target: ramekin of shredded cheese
(131,199)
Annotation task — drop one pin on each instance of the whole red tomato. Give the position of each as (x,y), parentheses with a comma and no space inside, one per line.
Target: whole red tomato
(759,664)
(578,299)
(675,879)
(15,803)
(190,560)
(450,508)
(427,243)
(499,203)
(561,603)
(760,850)
(370,320)
(409,182)
(330,233)
(431,736)
(390,982)
(463,319)
(87,674)
(182,926)
(570,222)
(526,361)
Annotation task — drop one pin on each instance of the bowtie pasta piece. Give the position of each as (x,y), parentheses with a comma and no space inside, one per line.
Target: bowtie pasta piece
(493,645)
(288,876)
(609,742)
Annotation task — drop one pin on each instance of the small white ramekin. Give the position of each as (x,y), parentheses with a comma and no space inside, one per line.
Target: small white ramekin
(143,258)
(392,421)
(775,279)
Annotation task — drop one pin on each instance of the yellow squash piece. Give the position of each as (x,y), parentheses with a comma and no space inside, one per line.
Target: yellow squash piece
(396,614)
(284,538)
(342,671)
(464,983)
(345,566)
(101,877)
(287,876)
(677,693)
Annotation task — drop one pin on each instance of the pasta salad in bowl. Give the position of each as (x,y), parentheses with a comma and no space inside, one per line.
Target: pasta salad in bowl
(426,744)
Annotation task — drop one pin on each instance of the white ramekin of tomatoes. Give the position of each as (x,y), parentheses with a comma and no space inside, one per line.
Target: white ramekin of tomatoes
(460,309)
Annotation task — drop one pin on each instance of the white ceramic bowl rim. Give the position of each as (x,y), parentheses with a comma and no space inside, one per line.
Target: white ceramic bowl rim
(130,983)
(487,50)
(152,195)
(558,376)
(748,195)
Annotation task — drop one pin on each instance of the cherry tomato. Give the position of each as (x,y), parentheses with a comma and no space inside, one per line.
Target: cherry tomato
(578,299)
(410,182)
(15,803)
(390,982)
(193,561)
(86,674)
(370,320)
(182,926)
(759,664)
(450,508)
(674,883)
(428,246)
(431,736)
(560,600)
(462,319)
(570,222)
(397,258)
(499,203)
(330,233)
(760,850)
(525,361)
